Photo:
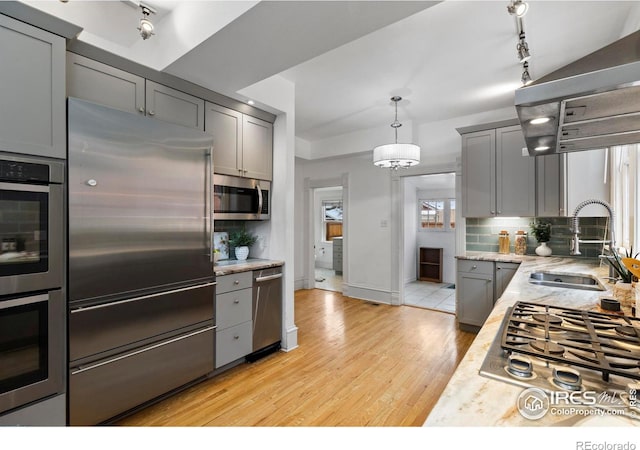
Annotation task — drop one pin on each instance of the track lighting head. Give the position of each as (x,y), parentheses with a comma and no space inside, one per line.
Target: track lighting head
(518,8)
(146,27)
(526,78)
(523,50)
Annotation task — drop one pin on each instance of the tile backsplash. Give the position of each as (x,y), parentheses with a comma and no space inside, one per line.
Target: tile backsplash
(482,233)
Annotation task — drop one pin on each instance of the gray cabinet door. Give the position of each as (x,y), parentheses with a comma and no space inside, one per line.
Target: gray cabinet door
(99,83)
(257,148)
(478,174)
(515,175)
(475,298)
(549,185)
(170,105)
(225,125)
(32,90)
(504,274)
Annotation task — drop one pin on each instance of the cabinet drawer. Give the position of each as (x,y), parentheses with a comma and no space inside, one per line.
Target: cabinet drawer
(484,267)
(233,308)
(108,388)
(233,343)
(233,282)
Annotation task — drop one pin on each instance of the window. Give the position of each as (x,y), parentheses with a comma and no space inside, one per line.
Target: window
(624,173)
(437,215)
(332,219)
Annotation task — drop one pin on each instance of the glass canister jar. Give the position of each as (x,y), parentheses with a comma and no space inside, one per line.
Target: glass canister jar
(520,244)
(503,242)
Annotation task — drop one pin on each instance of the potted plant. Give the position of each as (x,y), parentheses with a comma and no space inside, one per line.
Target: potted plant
(242,240)
(542,232)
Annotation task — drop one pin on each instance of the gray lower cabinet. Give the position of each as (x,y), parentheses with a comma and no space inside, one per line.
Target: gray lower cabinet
(32,89)
(474,290)
(337,255)
(234,338)
(504,274)
(243,145)
(106,85)
(479,285)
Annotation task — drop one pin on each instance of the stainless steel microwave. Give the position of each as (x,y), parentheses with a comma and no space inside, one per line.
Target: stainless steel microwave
(237,198)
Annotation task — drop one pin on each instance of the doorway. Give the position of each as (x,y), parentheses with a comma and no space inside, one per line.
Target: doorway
(328,220)
(430,241)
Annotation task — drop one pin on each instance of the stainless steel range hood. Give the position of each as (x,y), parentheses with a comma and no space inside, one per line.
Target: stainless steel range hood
(592,103)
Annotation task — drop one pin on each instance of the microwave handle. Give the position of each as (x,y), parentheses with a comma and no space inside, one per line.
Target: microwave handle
(259,199)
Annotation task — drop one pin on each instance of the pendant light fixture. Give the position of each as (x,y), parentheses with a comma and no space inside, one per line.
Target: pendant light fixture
(396,155)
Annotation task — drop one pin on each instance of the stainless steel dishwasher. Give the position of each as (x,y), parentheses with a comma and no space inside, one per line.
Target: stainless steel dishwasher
(267,312)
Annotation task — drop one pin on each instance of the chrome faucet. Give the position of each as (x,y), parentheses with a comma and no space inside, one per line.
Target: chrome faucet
(576,241)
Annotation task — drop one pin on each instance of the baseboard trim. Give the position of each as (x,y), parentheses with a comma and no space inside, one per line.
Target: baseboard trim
(291,339)
(365,293)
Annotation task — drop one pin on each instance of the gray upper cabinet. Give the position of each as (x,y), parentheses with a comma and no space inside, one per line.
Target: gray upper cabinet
(100,83)
(497,178)
(170,105)
(549,170)
(257,148)
(32,90)
(242,145)
(226,127)
(478,174)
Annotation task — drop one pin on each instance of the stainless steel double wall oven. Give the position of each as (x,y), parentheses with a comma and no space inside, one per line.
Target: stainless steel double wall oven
(32,301)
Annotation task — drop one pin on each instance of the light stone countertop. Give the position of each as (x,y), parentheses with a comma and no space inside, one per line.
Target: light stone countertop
(473,400)
(229,266)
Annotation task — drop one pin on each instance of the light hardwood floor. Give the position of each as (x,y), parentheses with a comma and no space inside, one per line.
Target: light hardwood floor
(357,364)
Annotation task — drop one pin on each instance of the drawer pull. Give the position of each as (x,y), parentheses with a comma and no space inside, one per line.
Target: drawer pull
(236,337)
(237,282)
(474,267)
(81,369)
(236,301)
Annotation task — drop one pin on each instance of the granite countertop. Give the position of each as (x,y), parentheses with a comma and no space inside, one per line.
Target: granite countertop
(229,266)
(471,399)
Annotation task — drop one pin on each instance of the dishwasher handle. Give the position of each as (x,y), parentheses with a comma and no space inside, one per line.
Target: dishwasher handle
(268,277)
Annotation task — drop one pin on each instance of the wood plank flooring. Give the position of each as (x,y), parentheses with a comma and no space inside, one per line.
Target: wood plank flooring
(357,364)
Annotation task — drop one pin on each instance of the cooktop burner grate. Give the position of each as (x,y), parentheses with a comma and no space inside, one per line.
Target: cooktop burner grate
(606,343)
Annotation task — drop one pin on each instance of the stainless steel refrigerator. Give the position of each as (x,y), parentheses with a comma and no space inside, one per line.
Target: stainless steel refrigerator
(141,279)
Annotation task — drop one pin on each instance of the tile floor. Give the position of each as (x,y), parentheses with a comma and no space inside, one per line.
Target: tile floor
(331,281)
(424,294)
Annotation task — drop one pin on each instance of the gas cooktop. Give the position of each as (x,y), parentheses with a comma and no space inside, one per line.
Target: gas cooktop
(559,349)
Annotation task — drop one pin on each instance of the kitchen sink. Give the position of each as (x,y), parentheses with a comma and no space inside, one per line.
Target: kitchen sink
(567,280)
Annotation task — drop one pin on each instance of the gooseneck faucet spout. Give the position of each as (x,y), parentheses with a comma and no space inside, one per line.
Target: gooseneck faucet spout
(575,228)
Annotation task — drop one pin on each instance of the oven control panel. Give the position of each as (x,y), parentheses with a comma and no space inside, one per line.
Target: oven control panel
(23,172)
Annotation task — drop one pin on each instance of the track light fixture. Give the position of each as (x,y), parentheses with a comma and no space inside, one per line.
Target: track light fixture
(146,27)
(523,49)
(518,8)
(526,78)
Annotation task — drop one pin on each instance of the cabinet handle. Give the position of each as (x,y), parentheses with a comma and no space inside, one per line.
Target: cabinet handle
(236,301)
(141,109)
(237,282)
(499,212)
(152,113)
(492,212)
(245,170)
(498,268)
(236,337)
(474,267)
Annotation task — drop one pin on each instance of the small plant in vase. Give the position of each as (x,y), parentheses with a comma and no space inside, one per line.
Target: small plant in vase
(542,232)
(242,240)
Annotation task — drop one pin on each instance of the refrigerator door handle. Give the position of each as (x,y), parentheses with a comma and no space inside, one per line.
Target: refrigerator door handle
(259,200)
(209,194)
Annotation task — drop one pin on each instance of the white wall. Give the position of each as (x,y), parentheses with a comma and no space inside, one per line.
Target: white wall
(410,229)
(324,250)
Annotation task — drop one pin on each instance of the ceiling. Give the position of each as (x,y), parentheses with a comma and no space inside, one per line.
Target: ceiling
(446,59)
